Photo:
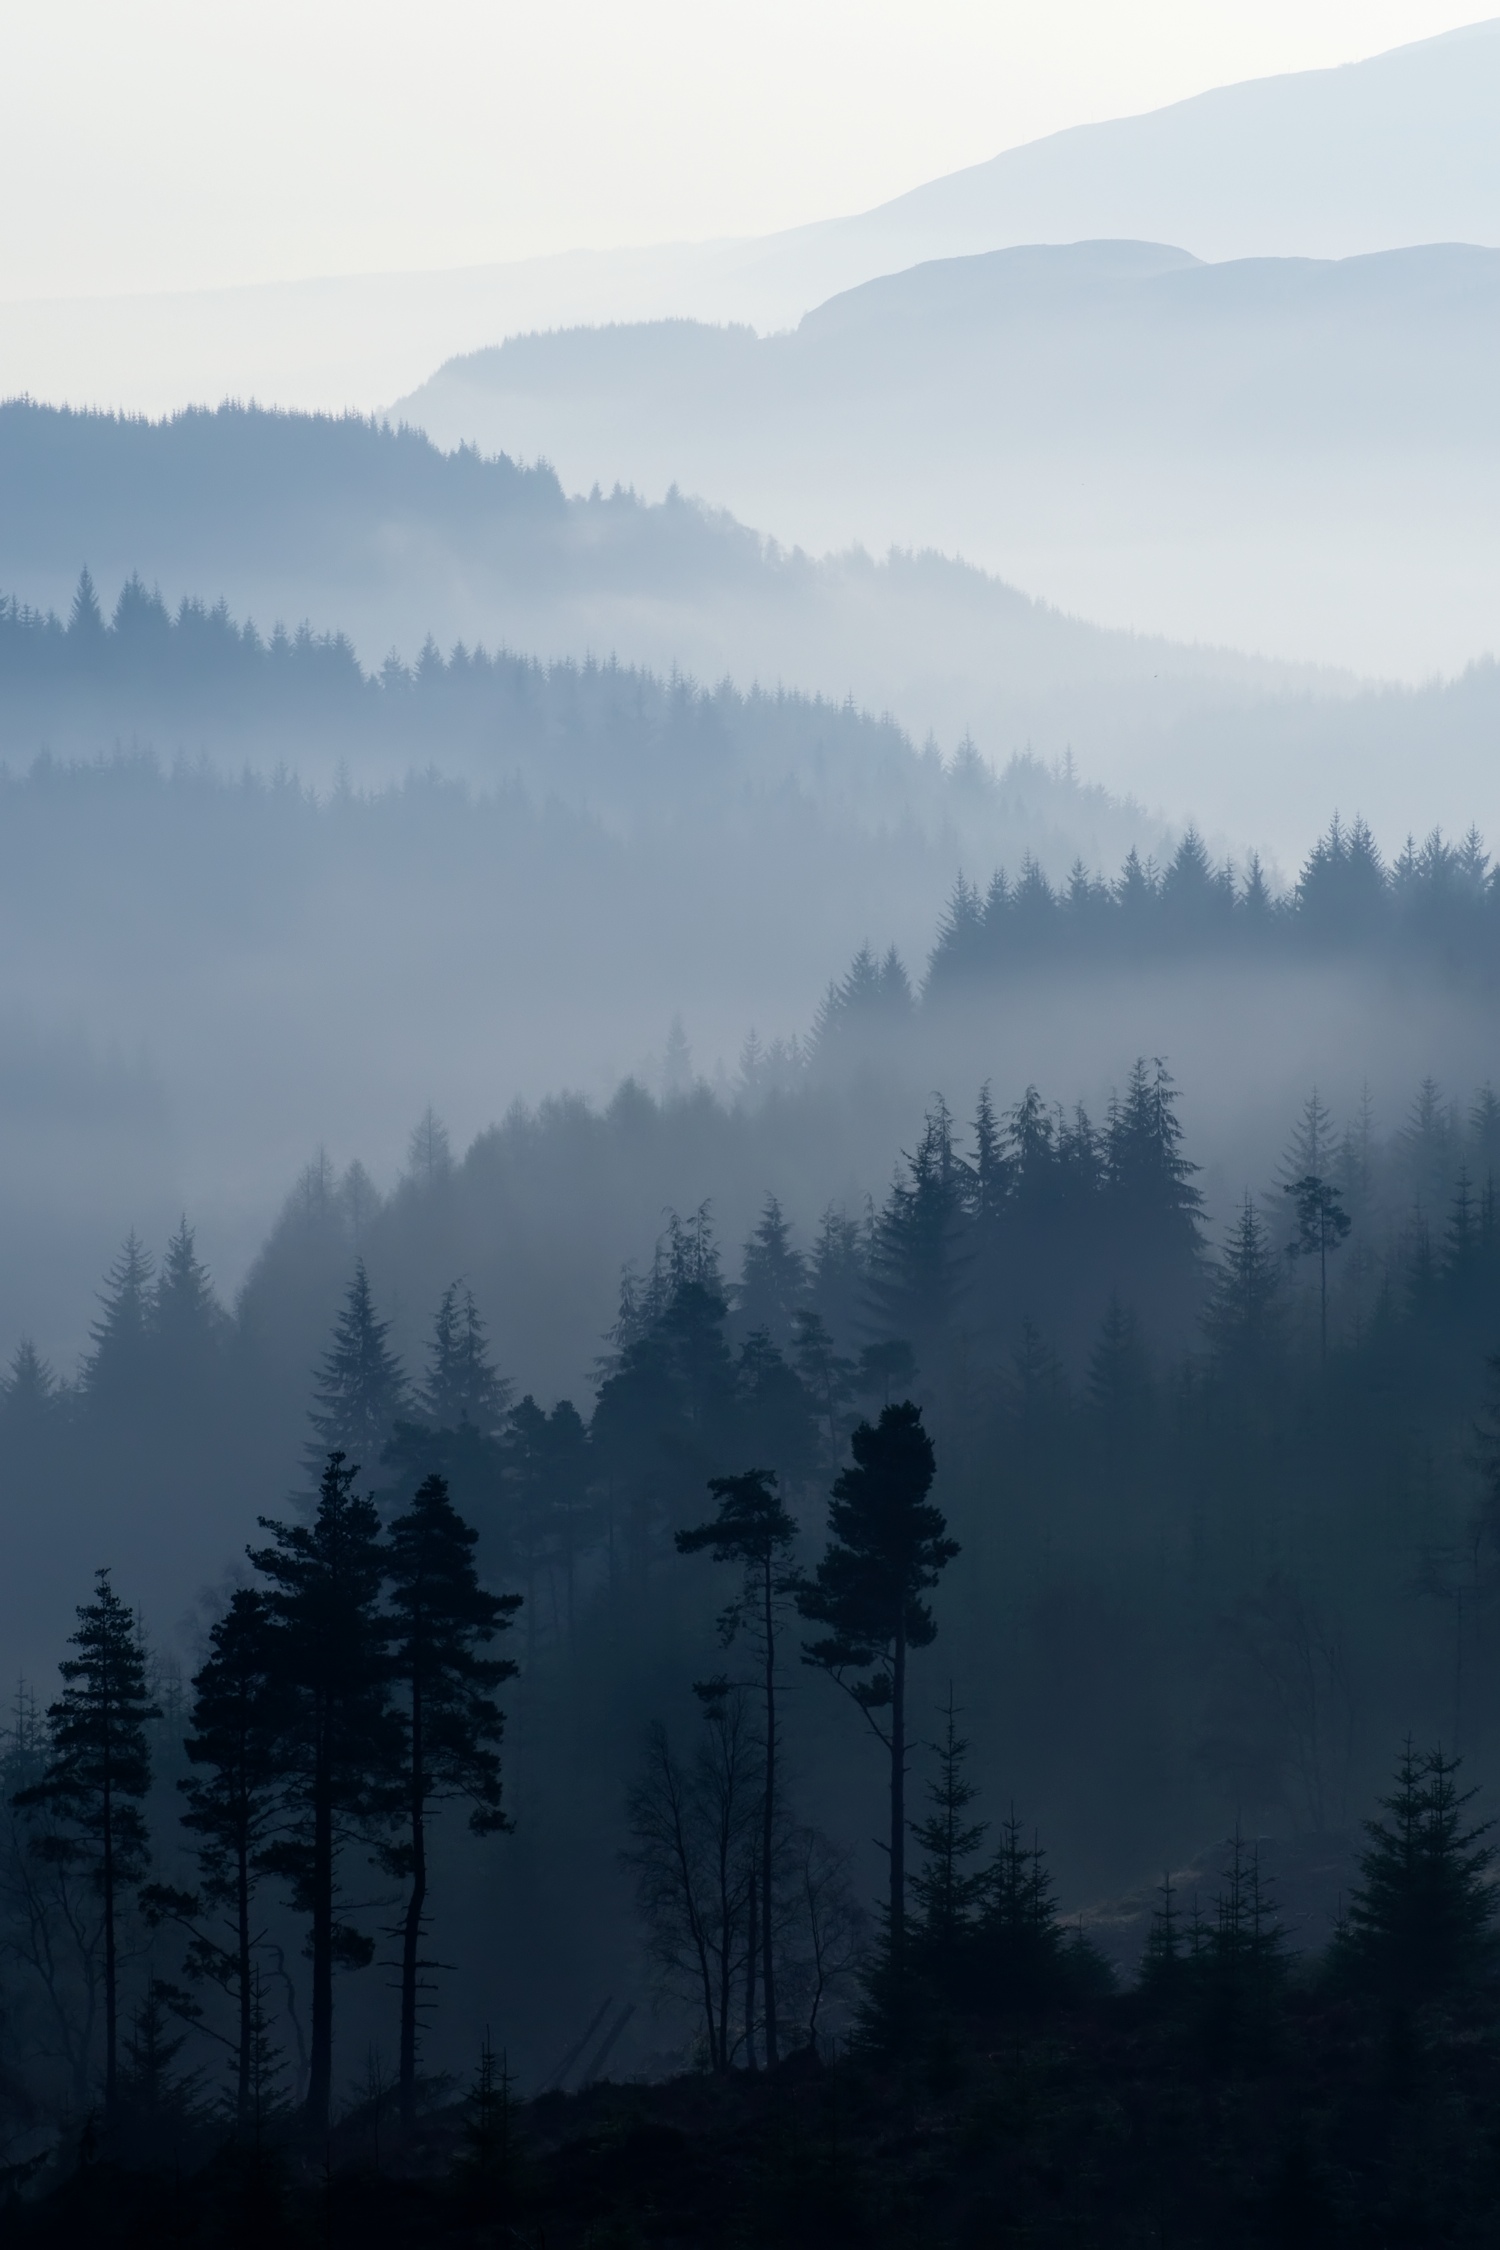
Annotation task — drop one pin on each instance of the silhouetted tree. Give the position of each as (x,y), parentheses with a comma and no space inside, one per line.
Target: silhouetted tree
(339,1744)
(461,1385)
(753,1529)
(440,1619)
(773,1278)
(233,1805)
(887,1546)
(98,1771)
(947,1892)
(361,1390)
(1322,1224)
(1419,1924)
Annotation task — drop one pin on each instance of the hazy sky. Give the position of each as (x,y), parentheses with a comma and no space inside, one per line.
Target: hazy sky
(185,143)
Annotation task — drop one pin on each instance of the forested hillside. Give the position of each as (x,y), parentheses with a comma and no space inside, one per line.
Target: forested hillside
(1218,1497)
(360,528)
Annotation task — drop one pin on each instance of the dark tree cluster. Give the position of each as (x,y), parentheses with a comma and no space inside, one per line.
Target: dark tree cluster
(195,672)
(1436,900)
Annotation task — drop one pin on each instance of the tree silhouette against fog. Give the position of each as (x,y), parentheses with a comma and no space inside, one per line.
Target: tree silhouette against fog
(441,1620)
(753,1530)
(98,1771)
(339,1741)
(887,1548)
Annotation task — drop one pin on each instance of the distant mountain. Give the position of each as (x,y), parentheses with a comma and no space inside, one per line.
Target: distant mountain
(1299,454)
(1400,149)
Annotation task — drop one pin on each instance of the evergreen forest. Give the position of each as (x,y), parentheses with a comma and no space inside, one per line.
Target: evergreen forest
(973,1716)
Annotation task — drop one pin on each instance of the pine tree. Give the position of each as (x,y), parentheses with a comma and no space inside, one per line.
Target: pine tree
(887,1546)
(339,1744)
(753,1530)
(86,627)
(361,1389)
(1322,1225)
(1020,1941)
(98,1771)
(947,1896)
(1419,1925)
(826,1377)
(1119,1378)
(1243,1317)
(28,1393)
(429,1153)
(461,1384)
(440,1619)
(116,1371)
(919,1263)
(773,1278)
(233,1801)
(185,1315)
(1164,1960)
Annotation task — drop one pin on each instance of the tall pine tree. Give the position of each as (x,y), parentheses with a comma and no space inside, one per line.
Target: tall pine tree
(887,1547)
(97,1774)
(339,1744)
(440,1620)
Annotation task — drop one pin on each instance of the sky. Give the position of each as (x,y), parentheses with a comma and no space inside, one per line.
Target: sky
(191,144)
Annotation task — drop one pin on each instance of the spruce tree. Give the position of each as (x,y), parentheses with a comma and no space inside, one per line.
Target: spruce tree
(98,1771)
(461,1385)
(1322,1224)
(1243,1316)
(887,1546)
(773,1278)
(338,1741)
(948,1894)
(361,1389)
(116,1371)
(1419,1925)
(440,1619)
(754,1530)
(233,1803)
(185,1315)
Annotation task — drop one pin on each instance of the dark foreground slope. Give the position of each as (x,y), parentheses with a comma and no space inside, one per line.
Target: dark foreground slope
(1122,2124)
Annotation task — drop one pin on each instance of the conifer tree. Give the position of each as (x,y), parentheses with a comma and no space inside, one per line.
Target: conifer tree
(1020,1939)
(887,1547)
(826,1376)
(440,1620)
(918,1264)
(1243,1316)
(429,1154)
(948,1895)
(185,1315)
(361,1389)
(754,1530)
(1322,1224)
(98,1771)
(461,1385)
(1420,1923)
(338,1742)
(773,1278)
(233,1802)
(115,1371)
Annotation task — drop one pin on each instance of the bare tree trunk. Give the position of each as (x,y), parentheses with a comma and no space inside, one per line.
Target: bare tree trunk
(411,1937)
(320,2055)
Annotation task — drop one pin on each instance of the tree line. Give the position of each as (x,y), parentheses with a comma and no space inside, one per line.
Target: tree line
(1221,1536)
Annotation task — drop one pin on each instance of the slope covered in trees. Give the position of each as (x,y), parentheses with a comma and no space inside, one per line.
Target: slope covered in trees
(1211,1529)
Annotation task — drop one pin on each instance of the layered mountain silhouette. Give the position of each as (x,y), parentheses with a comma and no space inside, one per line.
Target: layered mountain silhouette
(1396,150)
(1299,454)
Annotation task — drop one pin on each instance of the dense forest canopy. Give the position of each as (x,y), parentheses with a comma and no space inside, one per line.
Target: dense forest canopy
(1218,1498)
